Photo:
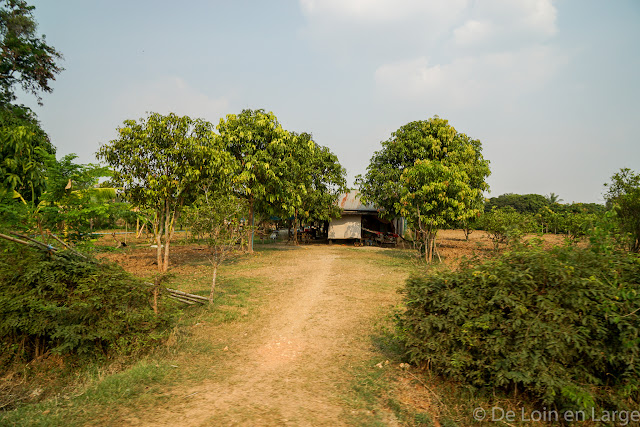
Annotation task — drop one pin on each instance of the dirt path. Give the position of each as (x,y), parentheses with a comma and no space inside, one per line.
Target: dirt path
(291,365)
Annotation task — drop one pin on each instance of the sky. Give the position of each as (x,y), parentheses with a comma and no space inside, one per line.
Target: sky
(550,88)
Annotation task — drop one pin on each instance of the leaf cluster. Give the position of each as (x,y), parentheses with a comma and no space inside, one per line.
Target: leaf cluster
(434,195)
(433,140)
(27,60)
(280,172)
(23,158)
(560,325)
(162,159)
(68,305)
(506,225)
(623,196)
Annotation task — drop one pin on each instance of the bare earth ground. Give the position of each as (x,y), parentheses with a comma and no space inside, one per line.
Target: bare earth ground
(292,362)
(288,365)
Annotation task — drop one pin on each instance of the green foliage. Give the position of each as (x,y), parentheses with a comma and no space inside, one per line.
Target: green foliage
(433,139)
(73,201)
(23,158)
(252,137)
(220,220)
(66,304)
(527,203)
(160,162)
(506,225)
(434,195)
(430,173)
(575,223)
(326,181)
(560,325)
(310,180)
(27,61)
(280,173)
(624,196)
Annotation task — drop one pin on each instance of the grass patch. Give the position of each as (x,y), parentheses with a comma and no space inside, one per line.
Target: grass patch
(135,385)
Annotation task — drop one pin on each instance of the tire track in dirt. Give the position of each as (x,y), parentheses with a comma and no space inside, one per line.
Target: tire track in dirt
(289,366)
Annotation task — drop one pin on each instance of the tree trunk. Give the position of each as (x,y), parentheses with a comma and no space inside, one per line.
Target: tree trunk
(295,228)
(213,283)
(250,236)
(158,229)
(168,233)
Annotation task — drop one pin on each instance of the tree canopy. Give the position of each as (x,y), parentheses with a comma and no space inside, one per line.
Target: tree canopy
(159,162)
(278,172)
(429,173)
(27,60)
(432,139)
(623,196)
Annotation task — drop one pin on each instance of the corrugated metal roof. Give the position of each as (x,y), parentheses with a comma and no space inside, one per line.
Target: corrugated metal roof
(351,202)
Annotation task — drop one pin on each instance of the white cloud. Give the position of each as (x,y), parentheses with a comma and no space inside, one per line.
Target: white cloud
(380,11)
(169,94)
(499,23)
(472,32)
(472,80)
(364,30)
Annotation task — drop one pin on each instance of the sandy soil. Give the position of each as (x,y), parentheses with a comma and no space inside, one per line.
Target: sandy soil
(287,367)
(290,364)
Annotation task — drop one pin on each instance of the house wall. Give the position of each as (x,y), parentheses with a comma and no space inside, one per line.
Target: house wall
(346,227)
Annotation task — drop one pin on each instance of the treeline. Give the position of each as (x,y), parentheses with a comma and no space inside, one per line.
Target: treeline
(511,215)
(533,203)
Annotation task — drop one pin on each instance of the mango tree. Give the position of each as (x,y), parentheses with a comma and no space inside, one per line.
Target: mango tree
(309,180)
(251,138)
(432,195)
(326,181)
(158,162)
(441,156)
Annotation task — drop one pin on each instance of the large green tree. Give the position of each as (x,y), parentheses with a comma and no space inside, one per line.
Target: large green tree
(256,141)
(310,179)
(27,60)
(432,139)
(160,162)
(431,174)
(434,194)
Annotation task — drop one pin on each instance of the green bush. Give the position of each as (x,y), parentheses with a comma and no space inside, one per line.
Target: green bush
(521,203)
(506,225)
(560,325)
(65,304)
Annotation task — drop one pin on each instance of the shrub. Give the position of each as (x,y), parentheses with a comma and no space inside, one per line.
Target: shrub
(506,225)
(624,196)
(560,325)
(65,304)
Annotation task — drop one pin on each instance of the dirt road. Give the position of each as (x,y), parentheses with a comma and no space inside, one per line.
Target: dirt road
(291,364)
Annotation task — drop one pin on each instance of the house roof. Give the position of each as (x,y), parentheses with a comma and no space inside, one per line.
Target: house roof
(350,202)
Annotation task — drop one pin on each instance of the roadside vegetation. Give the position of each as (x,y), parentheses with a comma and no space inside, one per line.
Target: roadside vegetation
(542,313)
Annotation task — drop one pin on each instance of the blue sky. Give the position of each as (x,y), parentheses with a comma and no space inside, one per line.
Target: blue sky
(549,87)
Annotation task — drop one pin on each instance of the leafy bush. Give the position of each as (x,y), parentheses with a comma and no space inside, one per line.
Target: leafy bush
(66,304)
(575,220)
(624,196)
(560,325)
(506,225)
